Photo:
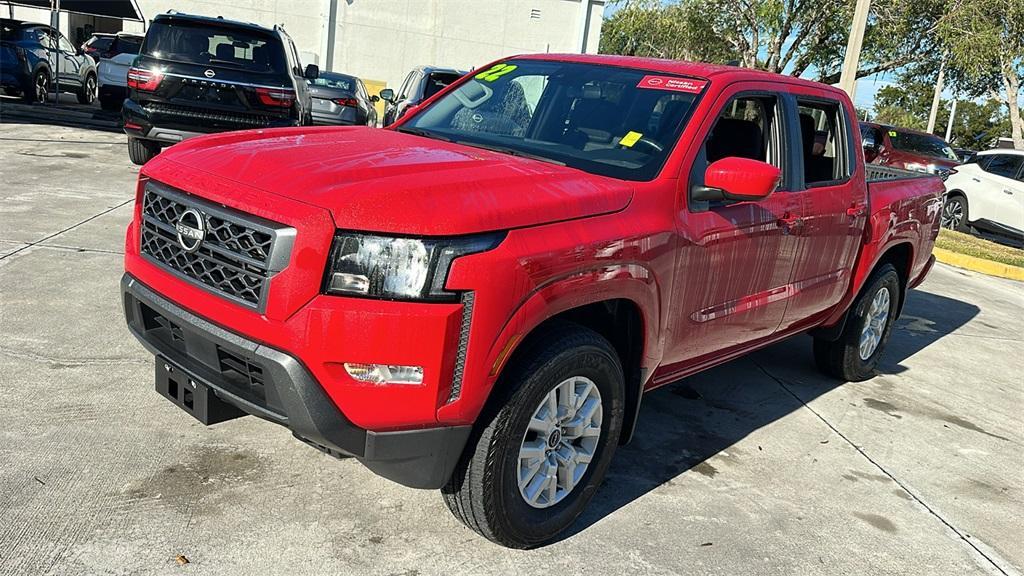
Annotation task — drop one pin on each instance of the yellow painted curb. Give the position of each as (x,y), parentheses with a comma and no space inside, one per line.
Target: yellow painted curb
(979,264)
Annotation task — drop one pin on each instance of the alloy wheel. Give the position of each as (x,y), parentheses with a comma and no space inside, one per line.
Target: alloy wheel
(874,323)
(952,215)
(560,442)
(42,87)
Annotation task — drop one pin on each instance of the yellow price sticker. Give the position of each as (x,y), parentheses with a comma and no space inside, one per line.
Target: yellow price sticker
(630,138)
(495,72)
(892,132)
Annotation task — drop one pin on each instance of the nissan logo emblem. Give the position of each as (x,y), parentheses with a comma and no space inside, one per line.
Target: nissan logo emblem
(191,228)
(209,73)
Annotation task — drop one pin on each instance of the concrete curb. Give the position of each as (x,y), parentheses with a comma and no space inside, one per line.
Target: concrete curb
(979,264)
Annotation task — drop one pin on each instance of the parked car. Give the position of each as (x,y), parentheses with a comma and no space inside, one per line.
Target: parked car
(476,299)
(964,154)
(905,148)
(113,69)
(341,99)
(987,193)
(420,84)
(31,57)
(197,75)
(97,44)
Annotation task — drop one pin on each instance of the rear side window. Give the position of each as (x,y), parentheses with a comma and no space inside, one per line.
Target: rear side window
(1007,165)
(126,45)
(822,142)
(196,43)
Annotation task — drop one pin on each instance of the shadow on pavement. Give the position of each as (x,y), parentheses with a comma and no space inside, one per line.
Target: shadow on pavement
(67,113)
(683,425)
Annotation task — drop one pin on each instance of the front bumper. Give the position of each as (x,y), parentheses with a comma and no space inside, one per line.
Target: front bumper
(285,392)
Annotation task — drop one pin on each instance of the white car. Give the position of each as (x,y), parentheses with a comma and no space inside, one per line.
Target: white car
(113,69)
(987,193)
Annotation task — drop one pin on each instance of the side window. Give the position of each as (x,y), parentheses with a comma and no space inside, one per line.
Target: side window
(823,142)
(403,92)
(65,46)
(1005,165)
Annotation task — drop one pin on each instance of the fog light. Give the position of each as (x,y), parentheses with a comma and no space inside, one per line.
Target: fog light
(385,373)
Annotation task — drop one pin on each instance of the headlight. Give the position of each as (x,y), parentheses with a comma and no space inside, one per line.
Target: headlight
(398,268)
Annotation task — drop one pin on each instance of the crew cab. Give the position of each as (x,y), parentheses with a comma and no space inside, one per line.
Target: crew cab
(477,298)
(196,75)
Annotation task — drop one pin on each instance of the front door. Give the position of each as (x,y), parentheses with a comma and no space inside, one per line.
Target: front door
(735,258)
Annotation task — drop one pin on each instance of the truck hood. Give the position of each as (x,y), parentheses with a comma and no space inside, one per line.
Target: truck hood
(384,181)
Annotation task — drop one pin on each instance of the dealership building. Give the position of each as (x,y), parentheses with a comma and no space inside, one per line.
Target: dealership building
(377,40)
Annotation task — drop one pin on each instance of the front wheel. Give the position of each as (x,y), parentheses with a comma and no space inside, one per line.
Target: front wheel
(546,445)
(854,356)
(87,94)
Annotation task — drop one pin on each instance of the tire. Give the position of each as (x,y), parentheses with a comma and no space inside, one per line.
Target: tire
(142,151)
(484,492)
(87,93)
(39,89)
(954,214)
(845,358)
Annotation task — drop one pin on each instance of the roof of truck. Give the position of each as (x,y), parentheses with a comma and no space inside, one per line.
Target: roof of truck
(696,69)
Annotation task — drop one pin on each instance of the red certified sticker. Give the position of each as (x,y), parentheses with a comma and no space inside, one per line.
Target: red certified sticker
(672,83)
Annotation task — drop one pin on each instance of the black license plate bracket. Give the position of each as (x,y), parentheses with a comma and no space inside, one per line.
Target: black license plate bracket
(192,395)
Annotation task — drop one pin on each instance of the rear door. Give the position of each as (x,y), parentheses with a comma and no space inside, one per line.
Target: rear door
(735,258)
(833,202)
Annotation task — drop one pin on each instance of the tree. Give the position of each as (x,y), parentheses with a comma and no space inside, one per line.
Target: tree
(907,102)
(798,37)
(985,43)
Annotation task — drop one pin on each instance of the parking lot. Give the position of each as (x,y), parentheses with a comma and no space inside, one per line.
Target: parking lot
(761,466)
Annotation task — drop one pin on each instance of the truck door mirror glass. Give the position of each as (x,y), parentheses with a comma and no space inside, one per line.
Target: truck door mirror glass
(312,72)
(387,95)
(738,180)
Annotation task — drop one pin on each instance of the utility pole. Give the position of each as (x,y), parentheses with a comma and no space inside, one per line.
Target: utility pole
(934,114)
(848,78)
(949,125)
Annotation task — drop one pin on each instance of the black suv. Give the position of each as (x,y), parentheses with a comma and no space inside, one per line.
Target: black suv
(199,75)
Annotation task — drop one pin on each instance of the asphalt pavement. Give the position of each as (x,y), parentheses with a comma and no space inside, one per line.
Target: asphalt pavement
(761,466)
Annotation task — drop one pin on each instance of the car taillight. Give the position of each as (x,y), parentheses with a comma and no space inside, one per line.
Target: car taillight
(146,80)
(276,96)
(347,102)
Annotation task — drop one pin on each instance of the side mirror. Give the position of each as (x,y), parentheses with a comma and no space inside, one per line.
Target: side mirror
(387,95)
(374,98)
(868,143)
(738,180)
(312,72)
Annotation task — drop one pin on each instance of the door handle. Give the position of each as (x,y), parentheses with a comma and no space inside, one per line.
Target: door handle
(856,211)
(976,179)
(790,221)
(1005,191)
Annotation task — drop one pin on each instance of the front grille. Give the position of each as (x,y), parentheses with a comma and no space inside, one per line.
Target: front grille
(246,120)
(237,255)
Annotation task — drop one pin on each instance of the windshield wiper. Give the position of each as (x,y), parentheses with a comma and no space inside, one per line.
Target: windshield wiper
(511,152)
(422,132)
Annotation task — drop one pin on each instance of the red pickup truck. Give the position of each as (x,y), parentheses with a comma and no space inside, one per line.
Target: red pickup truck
(477,298)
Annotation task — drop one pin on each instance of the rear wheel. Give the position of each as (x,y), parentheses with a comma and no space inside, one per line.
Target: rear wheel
(545,448)
(87,93)
(954,214)
(39,88)
(854,356)
(142,151)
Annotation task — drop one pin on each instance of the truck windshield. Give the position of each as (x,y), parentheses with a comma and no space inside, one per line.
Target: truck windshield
(923,144)
(605,120)
(197,43)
